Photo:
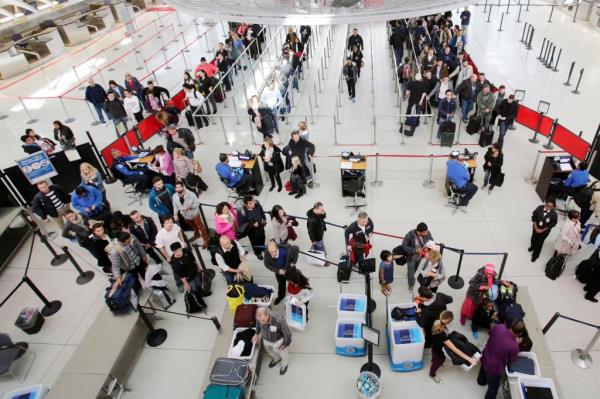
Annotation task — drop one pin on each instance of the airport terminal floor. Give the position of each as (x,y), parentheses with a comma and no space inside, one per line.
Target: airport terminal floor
(404,185)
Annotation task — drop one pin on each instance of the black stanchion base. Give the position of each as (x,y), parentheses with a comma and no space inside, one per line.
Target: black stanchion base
(534,141)
(52,235)
(85,278)
(59,260)
(156,337)
(53,308)
(456,282)
(372,367)
(371,305)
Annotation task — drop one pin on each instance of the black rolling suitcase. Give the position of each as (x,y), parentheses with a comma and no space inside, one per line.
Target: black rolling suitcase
(486,138)
(555,266)
(474,124)
(344,269)
(448,128)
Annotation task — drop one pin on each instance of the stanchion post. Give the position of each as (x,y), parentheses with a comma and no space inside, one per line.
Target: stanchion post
(532,179)
(576,91)
(557,59)
(582,358)
(376,182)
(549,145)
(547,53)
(501,20)
(199,255)
(550,323)
(84,277)
(429,183)
(50,307)
(551,58)
(519,16)
(542,49)
(156,336)
(576,10)
(523,38)
(31,119)
(224,131)
(81,87)
(57,259)
(508,7)
(456,281)
(527,9)
(502,265)
(489,14)
(94,121)
(551,11)
(68,118)
(534,139)
(485,6)
(529,47)
(568,82)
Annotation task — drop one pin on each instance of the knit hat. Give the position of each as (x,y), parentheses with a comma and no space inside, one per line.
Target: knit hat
(489,268)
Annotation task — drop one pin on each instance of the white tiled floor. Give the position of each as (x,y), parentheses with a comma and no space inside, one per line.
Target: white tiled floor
(494,223)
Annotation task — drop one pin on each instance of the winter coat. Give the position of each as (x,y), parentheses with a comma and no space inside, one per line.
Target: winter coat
(80,203)
(276,165)
(95,94)
(316,225)
(569,238)
(223,227)
(291,257)
(115,108)
(43,207)
(477,281)
(156,204)
(410,243)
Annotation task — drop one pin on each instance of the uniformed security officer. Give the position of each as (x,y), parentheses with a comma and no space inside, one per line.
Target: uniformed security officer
(357,235)
(544,218)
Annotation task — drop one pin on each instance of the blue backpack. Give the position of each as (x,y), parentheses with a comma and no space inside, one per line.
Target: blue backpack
(119,301)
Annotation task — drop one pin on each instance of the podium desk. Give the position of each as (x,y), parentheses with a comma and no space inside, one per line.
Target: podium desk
(252,167)
(351,171)
(554,167)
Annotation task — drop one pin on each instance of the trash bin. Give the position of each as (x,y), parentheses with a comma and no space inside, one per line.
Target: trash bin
(30,320)
(367,385)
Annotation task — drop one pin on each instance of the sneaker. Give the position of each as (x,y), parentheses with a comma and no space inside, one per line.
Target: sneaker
(490,191)
(272,188)
(349,97)
(530,249)
(300,194)
(475,334)
(283,370)
(590,298)
(293,192)
(273,363)
(260,256)
(436,379)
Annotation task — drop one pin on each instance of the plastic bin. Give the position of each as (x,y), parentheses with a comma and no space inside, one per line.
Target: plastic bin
(295,315)
(533,382)
(352,306)
(253,301)
(30,320)
(348,338)
(406,341)
(231,345)
(30,392)
(368,385)
(528,355)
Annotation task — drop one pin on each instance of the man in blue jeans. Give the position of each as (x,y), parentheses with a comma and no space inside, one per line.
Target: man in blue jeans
(315,223)
(502,347)
(467,91)
(459,177)
(95,95)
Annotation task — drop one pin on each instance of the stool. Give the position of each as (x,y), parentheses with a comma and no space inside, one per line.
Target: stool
(455,198)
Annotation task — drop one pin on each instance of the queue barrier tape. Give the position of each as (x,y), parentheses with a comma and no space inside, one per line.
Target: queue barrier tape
(570,142)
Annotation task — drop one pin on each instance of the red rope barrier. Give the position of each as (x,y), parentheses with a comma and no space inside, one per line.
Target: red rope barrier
(552,151)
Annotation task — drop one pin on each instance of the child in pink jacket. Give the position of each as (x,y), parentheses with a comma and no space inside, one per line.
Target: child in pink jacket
(226,221)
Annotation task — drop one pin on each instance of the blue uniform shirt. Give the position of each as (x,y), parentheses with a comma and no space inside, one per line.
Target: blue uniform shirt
(228,174)
(578,178)
(457,173)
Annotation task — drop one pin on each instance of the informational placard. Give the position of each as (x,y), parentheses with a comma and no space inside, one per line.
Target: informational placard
(36,167)
(370,335)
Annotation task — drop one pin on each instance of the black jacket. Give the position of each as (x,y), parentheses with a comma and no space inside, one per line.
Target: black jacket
(542,221)
(186,135)
(396,40)
(305,32)
(276,161)
(66,132)
(299,149)
(482,318)
(115,108)
(430,311)
(149,227)
(355,40)
(157,90)
(316,225)
(508,110)
(256,215)
(409,243)
(464,90)
(95,94)
(291,257)
(496,162)
(43,207)
(356,232)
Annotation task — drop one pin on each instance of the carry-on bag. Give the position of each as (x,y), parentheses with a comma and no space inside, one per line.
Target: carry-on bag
(30,320)
(344,269)
(214,391)
(498,180)
(234,295)
(446,139)
(204,280)
(555,266)
(245,316)
(227,371)
(193,302)
(486,137)
(474,124)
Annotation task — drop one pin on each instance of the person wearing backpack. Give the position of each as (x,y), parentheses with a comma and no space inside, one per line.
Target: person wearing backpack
(544,219)
(127,255)
(404,75)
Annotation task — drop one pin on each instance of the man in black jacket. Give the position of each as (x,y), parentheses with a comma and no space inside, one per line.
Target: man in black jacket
(76,230)
(156,91)
(279,259)
(144,229)
(114,107)
(252,221)
(397,42)
(358,237)
(507,112)
(467,91)
(355,40)
(429,310)
(302,149)
(413,245)
(316,226)
(51,201)
(180,137)
(95,95)
(544,218)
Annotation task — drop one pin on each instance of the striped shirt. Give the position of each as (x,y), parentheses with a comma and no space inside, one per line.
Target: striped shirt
(56,202)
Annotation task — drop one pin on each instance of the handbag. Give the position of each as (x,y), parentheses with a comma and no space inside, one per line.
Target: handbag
(498,179)
(291,233)
(293,220)
(234,295)
(288,186)
(424,281)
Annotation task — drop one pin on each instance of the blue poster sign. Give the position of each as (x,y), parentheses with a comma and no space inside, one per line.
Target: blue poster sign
(37,167)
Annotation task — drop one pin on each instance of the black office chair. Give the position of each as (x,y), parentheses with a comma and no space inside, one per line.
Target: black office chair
(355,187)
(234,195)
(455,199)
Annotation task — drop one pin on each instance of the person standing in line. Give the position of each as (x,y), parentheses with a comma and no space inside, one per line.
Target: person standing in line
(465,21)
(358,237)
(446,109)
(252,222)
(87,201)
(133,84)
(230,256)
(544,218)
(485,105)
(431,272)
(281,224)
(386,272)
(355,40)
(357,59)
(132,106)
(226,220)
(185,267)
(76,230)
(90,175)
(501,348)
(188,204)
(397,40)
(568,241)
(160,198)
(315,223)
(163,164)
(95,95)
(414,247)
(494,158)
(273,164)
(279,259)
(507,112)
(350,72)
(144,229)
(127,255)
(166,236)
(297,178)
(64,135)
(276,337)
(51,201)
(467,91)
(439,337)
(100,241)
(115,109)
(271,97)
(431,305)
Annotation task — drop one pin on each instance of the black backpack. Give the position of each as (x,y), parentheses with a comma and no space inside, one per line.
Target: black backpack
(583,197)
(594,234)
(193,302)
(555,266)
(586,269)
(344,269)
